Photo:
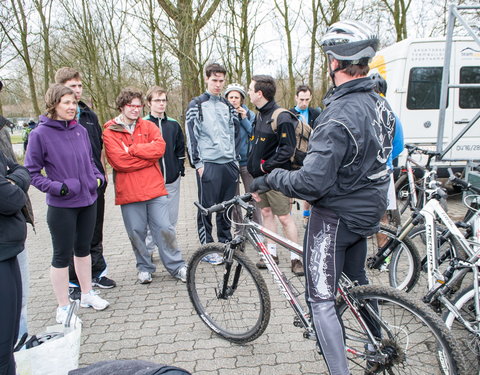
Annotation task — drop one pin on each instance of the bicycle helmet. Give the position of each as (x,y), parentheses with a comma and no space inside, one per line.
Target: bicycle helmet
(380,84)
(352,41)
(236,87)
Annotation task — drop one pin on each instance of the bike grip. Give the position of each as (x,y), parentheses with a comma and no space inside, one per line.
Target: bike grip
(215,208)
(202,209)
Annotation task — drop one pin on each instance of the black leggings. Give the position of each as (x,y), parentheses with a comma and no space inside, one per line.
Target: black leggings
(11,298)
(72,231)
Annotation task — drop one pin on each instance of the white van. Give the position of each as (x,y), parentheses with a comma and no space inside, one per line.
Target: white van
(413,71)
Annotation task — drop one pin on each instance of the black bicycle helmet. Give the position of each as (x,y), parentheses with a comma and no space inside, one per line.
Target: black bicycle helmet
(352,41)
(380,83)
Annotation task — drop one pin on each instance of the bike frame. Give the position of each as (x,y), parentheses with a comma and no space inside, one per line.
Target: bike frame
(437,285)
(252,232)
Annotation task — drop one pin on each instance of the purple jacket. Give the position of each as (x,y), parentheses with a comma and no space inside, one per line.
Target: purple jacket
(63,149)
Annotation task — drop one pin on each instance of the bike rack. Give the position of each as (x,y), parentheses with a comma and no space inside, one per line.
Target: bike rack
(453,15)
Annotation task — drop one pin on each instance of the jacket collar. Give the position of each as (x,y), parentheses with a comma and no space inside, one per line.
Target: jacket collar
(356,85)
(58,124)
(272,105)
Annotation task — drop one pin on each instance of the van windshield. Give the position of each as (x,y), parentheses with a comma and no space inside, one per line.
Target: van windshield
(424,87)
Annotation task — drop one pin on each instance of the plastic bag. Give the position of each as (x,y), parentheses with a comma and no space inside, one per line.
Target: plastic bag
(56,355)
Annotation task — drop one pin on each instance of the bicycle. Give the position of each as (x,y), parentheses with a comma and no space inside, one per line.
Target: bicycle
(445,272)
(232,299)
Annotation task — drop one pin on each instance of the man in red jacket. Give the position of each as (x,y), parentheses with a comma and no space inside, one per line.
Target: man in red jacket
(133,147)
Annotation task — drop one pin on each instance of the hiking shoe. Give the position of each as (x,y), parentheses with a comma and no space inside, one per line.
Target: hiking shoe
(62,314)
(261,263)
(182,274)
(93,300)
(297,267)
(74,293)
(144,277)
(213,259)
(103,282)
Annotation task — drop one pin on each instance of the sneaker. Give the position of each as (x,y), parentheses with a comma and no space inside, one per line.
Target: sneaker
(145,277)
(213,259)
(103,282)
(182,274)
(62,314)
(93,300)
(261,263)
(297,267)
(74,293)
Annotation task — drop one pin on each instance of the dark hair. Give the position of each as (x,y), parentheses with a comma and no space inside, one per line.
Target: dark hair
(303,88)
(127,95)
(53,96)
(66,74)
(214,68)
(265,84)
(357,70)
(155,90)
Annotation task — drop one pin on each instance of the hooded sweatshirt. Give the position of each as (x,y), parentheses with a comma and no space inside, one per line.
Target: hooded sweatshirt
(63,149)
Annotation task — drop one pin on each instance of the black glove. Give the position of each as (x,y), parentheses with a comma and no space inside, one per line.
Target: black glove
(260,185)
(64,190)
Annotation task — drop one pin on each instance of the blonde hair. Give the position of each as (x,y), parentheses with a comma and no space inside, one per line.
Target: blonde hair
(155,90)
(53,96)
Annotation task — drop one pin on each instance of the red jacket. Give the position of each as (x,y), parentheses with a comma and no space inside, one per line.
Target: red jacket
(136,173)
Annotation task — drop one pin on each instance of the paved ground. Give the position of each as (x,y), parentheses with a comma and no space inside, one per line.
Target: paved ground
(157,322)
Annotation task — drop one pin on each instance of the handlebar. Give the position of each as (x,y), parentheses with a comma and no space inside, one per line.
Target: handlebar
(462,183)
(238,199)
(415,149)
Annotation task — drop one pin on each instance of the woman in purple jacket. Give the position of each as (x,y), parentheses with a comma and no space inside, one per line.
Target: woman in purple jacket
(60,146)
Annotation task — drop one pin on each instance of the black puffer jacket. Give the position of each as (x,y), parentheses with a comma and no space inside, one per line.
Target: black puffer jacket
(345,168)
(89,120)
(13,197)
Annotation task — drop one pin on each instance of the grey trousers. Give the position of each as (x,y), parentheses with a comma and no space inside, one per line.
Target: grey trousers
(153,213)
(173,198)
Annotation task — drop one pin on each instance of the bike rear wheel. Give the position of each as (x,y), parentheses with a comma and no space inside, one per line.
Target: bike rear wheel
(413,340)
(401,269)
(231,299)
(468,342)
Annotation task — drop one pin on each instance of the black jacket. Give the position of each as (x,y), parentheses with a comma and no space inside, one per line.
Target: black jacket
(13,197)
(313,113)
(345,168)
(269,149)
(172,162)
(89,120)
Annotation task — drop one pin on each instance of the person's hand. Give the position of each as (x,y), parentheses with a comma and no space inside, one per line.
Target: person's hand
(260,185)
(242,112)
(200,171)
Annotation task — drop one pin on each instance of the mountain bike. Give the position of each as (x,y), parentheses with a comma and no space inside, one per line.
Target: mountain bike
(385,330)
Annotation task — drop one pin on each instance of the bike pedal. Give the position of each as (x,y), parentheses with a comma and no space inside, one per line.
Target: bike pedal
(297,322)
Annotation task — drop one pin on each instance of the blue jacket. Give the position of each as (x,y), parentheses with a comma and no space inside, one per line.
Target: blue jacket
(63,149)
(246,127)
(397,144)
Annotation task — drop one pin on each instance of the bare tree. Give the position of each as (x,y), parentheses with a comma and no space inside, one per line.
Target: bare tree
(14,25)
(44,9)
(398,9)
(188,19)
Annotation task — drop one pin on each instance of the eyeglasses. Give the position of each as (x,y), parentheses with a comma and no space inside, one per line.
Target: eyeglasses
(133,106)
(159,100)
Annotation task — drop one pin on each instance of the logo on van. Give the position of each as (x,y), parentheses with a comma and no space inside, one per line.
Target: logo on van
(469,51)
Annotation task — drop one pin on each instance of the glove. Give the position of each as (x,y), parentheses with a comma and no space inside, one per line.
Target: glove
(260,185)
(64,190)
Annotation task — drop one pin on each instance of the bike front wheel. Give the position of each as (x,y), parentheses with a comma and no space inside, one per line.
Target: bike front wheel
(391,261)
(469,342)
(412,340)
(231,298)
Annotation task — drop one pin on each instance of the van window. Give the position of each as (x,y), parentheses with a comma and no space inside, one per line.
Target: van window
(469,98)
(424,86)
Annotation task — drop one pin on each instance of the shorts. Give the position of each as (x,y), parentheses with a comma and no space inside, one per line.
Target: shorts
(279,203)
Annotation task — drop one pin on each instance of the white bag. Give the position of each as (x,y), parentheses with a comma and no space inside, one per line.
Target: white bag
(54,357)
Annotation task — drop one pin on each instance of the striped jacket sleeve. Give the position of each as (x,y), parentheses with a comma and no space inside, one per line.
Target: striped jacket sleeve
(192,130)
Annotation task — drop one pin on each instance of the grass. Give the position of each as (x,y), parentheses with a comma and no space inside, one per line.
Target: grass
(16,138)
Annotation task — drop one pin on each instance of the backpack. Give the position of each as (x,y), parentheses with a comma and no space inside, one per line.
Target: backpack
(302,135)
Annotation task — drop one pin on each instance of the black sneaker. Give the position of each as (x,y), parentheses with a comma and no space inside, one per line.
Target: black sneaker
(74,293)
(103,282)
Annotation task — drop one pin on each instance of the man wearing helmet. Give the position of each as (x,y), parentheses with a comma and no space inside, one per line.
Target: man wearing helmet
(345,177)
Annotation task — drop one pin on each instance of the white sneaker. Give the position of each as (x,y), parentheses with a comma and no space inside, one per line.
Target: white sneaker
(213,258)
(93,300)
(62,314)
(182,274)
(145,277)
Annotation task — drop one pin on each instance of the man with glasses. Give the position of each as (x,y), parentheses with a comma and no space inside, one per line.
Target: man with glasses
(133,146)
(172,162)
